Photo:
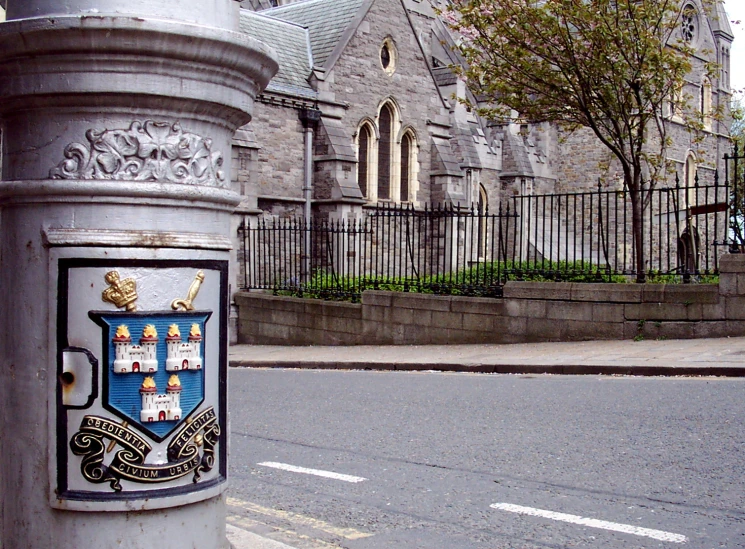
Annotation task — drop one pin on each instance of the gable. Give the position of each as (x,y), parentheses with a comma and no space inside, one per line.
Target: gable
(291,42)
(358,71)
(326,21)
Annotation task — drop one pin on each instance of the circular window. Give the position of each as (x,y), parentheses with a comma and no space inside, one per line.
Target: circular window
(388,56)
(689,23)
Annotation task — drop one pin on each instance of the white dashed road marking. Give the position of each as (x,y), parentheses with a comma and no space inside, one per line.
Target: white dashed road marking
(316,472)
(593,523)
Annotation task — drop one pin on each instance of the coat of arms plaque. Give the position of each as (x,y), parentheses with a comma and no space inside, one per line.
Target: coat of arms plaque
(153,424)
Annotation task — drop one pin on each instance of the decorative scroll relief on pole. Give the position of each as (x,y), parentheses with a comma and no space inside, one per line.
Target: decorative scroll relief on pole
(147,151)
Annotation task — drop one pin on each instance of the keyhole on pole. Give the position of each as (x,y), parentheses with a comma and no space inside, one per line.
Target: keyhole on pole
(67,379)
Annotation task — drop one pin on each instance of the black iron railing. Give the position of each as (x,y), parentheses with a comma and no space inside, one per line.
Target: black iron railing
(442,250)
(683,232)
(571,236)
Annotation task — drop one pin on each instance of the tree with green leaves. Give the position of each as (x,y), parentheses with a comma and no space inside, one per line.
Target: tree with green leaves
(616,67)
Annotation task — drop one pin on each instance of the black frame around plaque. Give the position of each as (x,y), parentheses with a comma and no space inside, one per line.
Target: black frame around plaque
(64,267)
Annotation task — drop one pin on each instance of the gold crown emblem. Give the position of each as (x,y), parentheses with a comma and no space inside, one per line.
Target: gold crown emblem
(122,293)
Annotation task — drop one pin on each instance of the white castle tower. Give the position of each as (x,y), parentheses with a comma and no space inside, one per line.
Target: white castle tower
(135,358)
(183,356)
(163,407)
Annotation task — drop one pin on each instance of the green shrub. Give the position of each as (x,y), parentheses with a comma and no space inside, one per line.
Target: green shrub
(482,280)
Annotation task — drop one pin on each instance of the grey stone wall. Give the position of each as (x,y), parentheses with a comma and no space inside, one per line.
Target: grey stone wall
(529,311)
(581,159)
(278,169)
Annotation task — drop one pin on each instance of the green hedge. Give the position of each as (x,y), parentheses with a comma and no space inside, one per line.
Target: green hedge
(483,280)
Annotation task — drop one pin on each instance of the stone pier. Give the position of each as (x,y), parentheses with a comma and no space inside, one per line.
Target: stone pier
(117,118)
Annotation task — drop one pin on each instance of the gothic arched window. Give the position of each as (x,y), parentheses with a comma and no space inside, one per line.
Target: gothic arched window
(690,170)
(387,165)
(406,149)
(363,159)
(706,103)
(725,65)
(385,145)
(483,208)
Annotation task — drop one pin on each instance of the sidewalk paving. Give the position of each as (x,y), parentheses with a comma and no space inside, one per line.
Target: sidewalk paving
(680,357)
(243,539)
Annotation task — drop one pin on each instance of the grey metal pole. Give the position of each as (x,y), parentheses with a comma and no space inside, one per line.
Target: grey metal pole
(308,195)
(116,121)
(309,118)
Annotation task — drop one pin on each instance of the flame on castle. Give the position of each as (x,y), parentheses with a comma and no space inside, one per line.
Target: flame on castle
(180,355)
(160,407)
(135,358)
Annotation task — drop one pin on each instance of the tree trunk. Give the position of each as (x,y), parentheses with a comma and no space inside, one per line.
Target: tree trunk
(637,227)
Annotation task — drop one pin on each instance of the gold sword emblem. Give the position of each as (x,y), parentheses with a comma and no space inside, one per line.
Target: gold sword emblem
(187,304)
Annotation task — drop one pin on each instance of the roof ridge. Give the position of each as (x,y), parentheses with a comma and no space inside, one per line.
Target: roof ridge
(327,23)
(294,4)
(262,14)
(293,49)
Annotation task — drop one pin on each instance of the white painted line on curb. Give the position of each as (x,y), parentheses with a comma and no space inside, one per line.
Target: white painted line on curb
(317,472)
(593,523)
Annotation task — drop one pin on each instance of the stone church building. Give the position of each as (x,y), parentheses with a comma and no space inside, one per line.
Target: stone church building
(363,113)
(364,98)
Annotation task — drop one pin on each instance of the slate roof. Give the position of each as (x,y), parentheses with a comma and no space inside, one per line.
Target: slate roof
(466,138)
(326,21)
(444,162)
(515,161)
(422,7)
(292,44)
(444,76)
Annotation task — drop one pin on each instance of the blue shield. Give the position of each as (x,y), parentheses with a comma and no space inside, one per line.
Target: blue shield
(155,363)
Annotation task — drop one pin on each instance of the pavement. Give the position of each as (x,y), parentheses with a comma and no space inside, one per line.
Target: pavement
(243,539)
(675,357)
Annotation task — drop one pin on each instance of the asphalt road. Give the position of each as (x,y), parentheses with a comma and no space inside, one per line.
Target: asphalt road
(462,461)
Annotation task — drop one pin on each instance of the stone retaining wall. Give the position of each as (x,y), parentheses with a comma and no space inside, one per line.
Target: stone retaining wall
(529,311)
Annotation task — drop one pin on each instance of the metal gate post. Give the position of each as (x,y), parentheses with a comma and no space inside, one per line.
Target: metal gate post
(115,206)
